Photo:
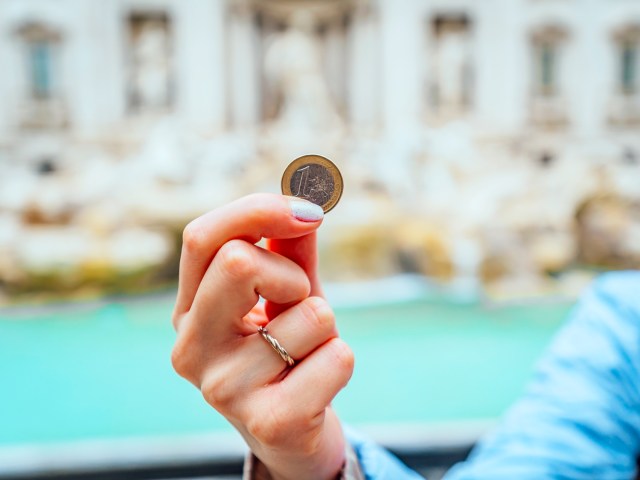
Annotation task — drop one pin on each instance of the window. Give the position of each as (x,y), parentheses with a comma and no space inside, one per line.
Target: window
(548,73)
(547,46)
(548,82)
(41,47)
(40,66)
(628,47)
(629,67)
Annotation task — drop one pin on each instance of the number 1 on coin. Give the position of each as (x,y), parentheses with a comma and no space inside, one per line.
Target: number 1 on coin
(314,178)
(302,186)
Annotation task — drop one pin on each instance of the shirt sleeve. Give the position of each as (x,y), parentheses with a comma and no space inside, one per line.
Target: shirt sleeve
(580,415)
(364,460)
(255,470)
(377,463)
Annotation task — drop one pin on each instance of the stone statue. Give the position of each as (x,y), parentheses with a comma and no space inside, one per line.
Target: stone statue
(151,66)
(451,70)
(293,65)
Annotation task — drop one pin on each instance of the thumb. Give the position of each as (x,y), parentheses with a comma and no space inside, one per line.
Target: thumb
(302,250)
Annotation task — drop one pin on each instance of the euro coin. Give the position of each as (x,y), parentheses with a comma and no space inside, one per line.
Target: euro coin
(314,178)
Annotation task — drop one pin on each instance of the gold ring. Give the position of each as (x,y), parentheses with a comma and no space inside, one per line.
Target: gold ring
(276,346)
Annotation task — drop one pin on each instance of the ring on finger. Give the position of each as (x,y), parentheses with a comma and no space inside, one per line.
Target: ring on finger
(276,346)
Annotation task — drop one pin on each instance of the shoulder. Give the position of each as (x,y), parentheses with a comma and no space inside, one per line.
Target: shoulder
(579,417)
(604,327)
(611,306)
(618,289)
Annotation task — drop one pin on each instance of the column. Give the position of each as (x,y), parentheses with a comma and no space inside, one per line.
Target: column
(85,74)
(363,70)
(588,89)
(401,33)
(335,64)
(200,63)
(244,67)
(111,64)
(11,86)
(501,60)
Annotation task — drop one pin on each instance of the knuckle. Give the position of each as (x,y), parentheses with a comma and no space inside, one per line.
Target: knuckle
(180,359)
(192,236)
(236,259)
(217,390)
(342,355)
(262,431)
(271,429)
(186,357)
(319,314)
(176,318)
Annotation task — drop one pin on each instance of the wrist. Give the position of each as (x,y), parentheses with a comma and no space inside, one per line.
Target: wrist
(325,464)
(325,461)
(254,469)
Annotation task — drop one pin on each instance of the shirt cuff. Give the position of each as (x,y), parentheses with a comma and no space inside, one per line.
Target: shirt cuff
(254,469)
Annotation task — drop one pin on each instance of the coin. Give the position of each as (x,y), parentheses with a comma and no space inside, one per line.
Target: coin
(313,178)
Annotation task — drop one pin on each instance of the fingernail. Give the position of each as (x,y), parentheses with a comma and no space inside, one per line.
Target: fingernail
(306,211)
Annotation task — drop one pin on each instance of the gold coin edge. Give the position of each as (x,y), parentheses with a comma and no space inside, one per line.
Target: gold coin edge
(332,167)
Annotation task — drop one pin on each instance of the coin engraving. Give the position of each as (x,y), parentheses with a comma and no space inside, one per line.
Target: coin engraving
(304,180)
(314,183)
(313,178)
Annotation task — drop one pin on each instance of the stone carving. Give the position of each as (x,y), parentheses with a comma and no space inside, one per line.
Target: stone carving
(452,65)
(151,66)
(293,66)
(463,200)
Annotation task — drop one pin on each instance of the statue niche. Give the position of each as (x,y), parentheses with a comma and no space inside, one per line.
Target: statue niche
(294,70)
(150,62)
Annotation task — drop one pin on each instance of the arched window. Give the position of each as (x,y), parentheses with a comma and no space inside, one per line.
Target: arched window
(624,105)
(548,71)
(547,43)
(41,51)
(627,41)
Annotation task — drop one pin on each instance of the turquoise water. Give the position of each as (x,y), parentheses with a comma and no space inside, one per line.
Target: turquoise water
(103,370)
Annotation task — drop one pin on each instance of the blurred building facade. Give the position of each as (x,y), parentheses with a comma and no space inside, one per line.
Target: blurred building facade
(507,66)
(484,115)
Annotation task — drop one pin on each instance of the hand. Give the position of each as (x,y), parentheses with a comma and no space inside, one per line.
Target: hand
(282,412)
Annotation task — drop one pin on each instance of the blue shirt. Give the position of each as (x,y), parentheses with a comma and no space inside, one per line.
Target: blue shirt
(579,417)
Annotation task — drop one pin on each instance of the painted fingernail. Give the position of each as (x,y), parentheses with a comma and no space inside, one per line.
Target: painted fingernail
(306,211)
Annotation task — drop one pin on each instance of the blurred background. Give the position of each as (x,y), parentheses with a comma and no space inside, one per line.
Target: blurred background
(490,151)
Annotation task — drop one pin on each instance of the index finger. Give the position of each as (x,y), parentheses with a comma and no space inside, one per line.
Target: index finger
(249,218)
